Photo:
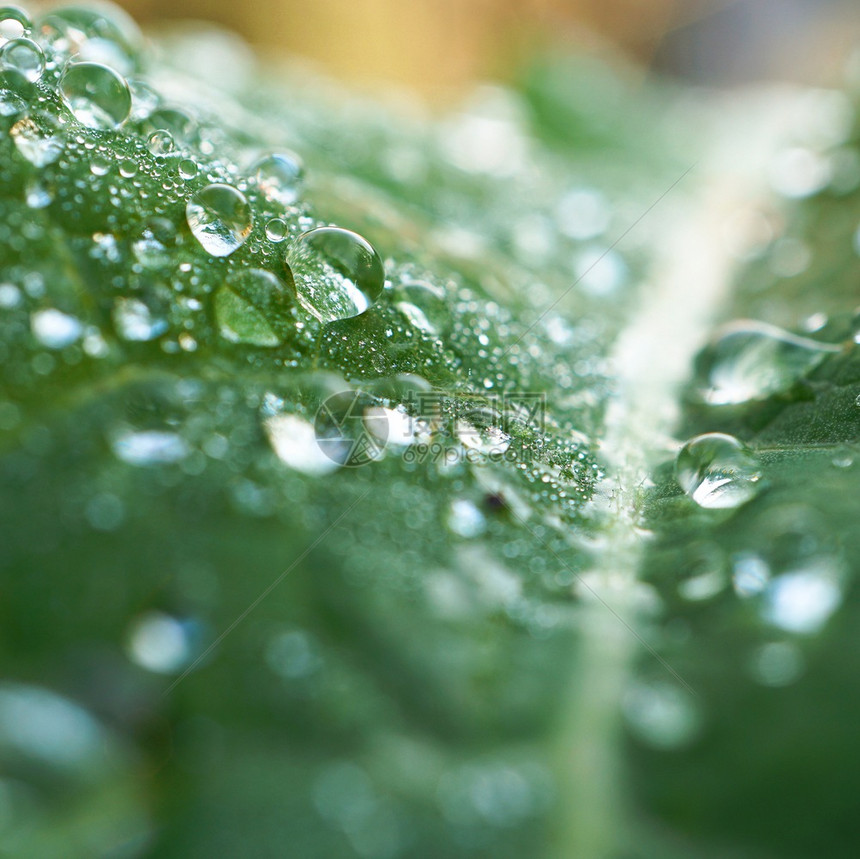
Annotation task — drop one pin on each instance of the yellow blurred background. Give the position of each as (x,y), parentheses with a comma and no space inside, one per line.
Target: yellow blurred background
(438,46)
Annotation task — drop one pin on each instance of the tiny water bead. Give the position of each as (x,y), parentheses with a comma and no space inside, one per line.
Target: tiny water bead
(337,273)
(219,217)
(753,360)
(717,471)
(23,56)
(97,95)
(279,177)
(160,142)
(250,308)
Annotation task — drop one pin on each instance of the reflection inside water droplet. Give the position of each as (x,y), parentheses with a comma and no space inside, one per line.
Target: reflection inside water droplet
(752,360)
(718,471)
(96,94)
(219,217)
(337,273)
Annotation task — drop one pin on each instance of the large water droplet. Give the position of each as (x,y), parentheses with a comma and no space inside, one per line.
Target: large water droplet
(104,33)
(279,177)
(23,56)
(718,471)
(220,219)
(250,308)
(276,230)
(97,95)
(337,273)
(753,360)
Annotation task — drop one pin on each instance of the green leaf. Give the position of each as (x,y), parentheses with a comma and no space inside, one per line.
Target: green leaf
(282,580)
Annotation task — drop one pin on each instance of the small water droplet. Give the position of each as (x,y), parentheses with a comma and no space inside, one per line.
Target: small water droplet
(97,95)
(187,169)
(153,246)
(752,360)
(55,329)
(135,321)
(276,230)
(38,195)
(161,643)
(219,217)
(38,138)
(100,165)
(160,142)
(295,443)
(465,519)
(149,447)
(776,664)
(718,471)
(23,56)
(803,600)
(127,168)
(249,307)
(279,176)
(337,273)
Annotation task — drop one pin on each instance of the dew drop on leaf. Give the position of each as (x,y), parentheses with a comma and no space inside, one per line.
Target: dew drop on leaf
(279,177)
(23,56)
(219,217)
(718,471)
(337,273)
(187,169)
(97,95)
(752,360)
(276,230)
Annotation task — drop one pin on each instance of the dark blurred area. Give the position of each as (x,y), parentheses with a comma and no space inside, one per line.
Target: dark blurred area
(439,46)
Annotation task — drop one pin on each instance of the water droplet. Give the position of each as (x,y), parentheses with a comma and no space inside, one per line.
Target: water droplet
(23,56)
(97,95)
(752,360)
(465,519)
(100,165)
(750,574)
(160,142)
(127,168)
(337,273)
(161,643)
(219,218)
(717,471)
(661,715)
(38,138)
(583,214)
(135,321)
(181,127)
(188,169)
(778,663)
(294,441)
(478,430)
(14,23)
(154,245)
(276,230)
(802,601)
(279,177)
(250,308)
(144,99)
(38,195)
(15,90)
(149,447)
(55,329)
